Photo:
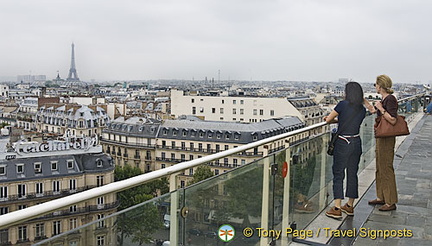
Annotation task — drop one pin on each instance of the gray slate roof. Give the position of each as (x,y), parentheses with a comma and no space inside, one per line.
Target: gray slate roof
(83,163)
(192,128)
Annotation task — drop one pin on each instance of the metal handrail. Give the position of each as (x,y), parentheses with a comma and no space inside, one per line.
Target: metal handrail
(35,211)
(401,100)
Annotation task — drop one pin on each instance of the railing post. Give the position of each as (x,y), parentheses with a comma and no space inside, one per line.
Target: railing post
(174,215)
(286,198)
(265,195)
(323,194)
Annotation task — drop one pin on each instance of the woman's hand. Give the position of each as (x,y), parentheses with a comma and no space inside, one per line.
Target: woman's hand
(331,118)
(369,106)
(379,106)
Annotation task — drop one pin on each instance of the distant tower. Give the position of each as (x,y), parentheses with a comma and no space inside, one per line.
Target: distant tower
(73,76)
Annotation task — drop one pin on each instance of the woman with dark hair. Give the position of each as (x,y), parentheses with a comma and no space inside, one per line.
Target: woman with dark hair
(387,108)
(347,151)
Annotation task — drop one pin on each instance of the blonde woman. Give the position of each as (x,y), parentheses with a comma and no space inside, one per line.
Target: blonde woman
(386,190)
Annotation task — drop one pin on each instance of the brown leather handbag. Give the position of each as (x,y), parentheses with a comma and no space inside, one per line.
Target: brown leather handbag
(383,128)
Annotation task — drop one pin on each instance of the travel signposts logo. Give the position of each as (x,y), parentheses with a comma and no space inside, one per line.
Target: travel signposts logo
(226,233)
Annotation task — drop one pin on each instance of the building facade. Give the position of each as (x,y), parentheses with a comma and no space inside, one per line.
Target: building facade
(153,145)
(34,173)
(77,119)
(244,109)
(26,112)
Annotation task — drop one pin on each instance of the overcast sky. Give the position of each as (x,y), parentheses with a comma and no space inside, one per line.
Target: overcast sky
(303,40)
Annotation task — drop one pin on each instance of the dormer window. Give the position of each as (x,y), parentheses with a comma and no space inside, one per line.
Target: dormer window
(2,170)
(38,167)
(99,163)
(20,168)
(70,163)
(54,166)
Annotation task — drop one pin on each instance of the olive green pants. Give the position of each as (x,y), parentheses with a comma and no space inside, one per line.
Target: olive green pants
(385,176)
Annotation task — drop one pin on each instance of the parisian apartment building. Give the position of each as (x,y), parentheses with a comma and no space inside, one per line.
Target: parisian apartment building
(244,109)
(36,172)
(77,119)
(152,145)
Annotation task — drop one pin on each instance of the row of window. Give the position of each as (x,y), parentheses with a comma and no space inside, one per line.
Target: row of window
(126,127)
(59,130)
(37,166)
(202,133)
(39,187)
(72,209)
(217,163)
(192,146)
(116,137)
(40,228)
(191,157)
(234,111)
(234,101)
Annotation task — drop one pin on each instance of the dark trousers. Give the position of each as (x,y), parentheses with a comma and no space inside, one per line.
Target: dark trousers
(346,157)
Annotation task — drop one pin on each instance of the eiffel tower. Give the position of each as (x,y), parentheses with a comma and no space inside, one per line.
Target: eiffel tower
(73,76)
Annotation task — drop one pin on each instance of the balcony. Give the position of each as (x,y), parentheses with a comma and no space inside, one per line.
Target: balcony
(210,151)
(287,189)
(129,144)
(39,196)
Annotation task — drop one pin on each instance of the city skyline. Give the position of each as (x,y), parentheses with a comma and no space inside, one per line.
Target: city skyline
(291,41)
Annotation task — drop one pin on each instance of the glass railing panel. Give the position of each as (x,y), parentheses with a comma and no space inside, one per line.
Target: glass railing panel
(147,223)
(409,107)
(233,198)
(311,173)
(311,176)
(368,141)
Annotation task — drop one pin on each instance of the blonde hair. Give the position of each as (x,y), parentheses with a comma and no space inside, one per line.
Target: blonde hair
(385,82)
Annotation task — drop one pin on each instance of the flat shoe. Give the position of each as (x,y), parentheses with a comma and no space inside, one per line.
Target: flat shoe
(375,202)
(386,207)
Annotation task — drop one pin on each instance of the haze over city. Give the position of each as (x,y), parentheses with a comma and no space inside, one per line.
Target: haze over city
(246,40)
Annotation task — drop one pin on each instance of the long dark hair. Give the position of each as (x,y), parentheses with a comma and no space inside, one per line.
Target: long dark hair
(354,93)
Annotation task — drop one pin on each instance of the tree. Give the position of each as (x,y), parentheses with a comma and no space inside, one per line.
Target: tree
(201,173)
(139,193)
(244,190)
(142,222)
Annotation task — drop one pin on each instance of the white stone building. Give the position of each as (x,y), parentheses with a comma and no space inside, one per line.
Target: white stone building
(244,109)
